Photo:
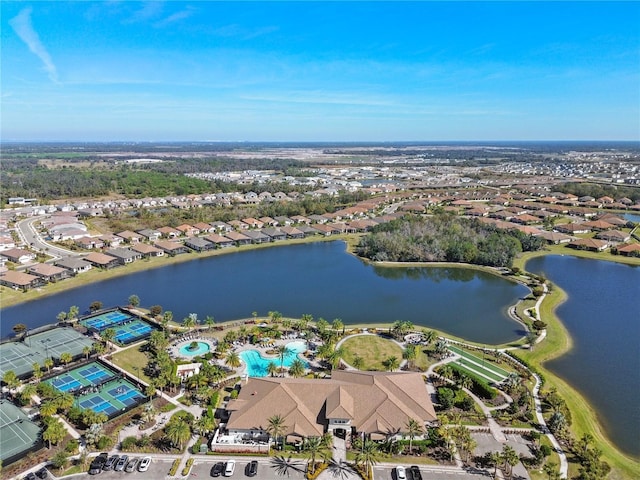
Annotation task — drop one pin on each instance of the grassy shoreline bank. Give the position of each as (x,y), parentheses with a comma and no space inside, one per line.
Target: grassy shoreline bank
(557,343)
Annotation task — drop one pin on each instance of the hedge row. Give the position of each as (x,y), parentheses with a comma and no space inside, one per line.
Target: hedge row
(480,386)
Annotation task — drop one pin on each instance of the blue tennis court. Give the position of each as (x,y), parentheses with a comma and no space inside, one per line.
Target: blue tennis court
(82,377)
(113,397)
(106,320)
(132,331)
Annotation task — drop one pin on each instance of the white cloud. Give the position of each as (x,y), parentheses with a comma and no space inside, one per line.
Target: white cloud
(181,15)
(21,24)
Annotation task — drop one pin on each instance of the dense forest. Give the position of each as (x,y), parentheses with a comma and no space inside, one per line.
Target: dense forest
(28,178)
(445,238)
(596,190)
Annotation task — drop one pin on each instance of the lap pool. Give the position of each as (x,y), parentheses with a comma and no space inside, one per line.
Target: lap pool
(257,364)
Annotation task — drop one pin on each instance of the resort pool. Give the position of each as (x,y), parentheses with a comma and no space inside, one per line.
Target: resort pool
(186,351)
(257,364)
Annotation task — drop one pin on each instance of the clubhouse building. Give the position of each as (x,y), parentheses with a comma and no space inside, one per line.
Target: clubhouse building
(376,404)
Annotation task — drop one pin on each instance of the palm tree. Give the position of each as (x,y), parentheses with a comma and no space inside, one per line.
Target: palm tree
(190,321)
(410,354)
(510,458)
(282,351)
(11,380)
(496,459)
(357,362)
(86,350)
(27,393)
(48,408)
(134,300)
(322,325)
(275,316)
(37,371)
(282,465)
(337,325)
(429,336)
(276,426)
(98,348)
(441,348)
(233,359)
(167,317)
(178,432)
(391,363)
(464,381)
(209,322)
(297,368)
(446,372)
(108,336)
(272,369)
(368,456)
(61,317)
(314,447)
(73,313)
(206,424)
(19,328)
(48,363)
(54,431)
(65,357)
(414,428)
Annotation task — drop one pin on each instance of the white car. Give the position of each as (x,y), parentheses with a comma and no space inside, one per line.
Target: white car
(229,468)
(401,473)
(143,466)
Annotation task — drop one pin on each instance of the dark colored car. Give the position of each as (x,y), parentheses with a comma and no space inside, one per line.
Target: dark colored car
(111,462)
(414,471)
(217,469)
(31,476)
(131,466)
(122,462)
(98,464)
(42,473)
(252,468)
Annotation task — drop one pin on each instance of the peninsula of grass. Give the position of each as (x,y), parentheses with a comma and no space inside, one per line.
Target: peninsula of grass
(372,349)
(133,361)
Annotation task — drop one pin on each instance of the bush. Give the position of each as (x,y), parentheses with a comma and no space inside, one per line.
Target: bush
(445,397)
(129,443)
(480,386)
(174,467)
(71,447)
(234,394)
(103,443)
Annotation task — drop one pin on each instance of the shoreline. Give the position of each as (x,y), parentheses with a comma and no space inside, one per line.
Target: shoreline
(557,343)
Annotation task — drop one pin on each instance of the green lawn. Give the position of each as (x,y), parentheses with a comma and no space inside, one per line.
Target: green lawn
(494,370)
(372,349)
(133,361)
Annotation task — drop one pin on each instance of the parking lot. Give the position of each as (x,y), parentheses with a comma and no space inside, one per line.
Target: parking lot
(266,469)
(431,473)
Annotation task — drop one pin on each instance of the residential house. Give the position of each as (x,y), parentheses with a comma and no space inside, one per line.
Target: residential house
(572,228)
(112,241)
(238,225)
(169,232)
(49,273)
(18,255)
(89,243)
(101,260)
(20,280)
(238,238)
(188,230)
(74,265)
(6,243)
(274,233)
(222,226)
(253,222)
(171,248)
(630,250)
(616,236)
(589,244)
(124,255)
(130,237)
(257,236)
(199,244)
(147,250)
(150,234)
(204,227)
(292,232)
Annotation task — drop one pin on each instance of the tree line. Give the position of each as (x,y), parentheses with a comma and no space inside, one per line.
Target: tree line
(445,238)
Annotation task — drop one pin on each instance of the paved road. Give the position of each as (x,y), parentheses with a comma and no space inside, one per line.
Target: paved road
(30,236)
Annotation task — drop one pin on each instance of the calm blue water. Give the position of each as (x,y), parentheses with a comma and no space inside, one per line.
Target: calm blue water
(201,350)
(633,217)
(257,364)
(320,279)
(602,315)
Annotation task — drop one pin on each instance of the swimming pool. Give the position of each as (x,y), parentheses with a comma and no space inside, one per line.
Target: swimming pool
(257,364)
(203,348)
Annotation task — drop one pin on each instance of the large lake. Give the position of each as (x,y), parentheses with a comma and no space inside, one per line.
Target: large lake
(317,278)
(602,315)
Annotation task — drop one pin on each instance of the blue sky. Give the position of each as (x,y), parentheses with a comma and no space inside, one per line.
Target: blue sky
(316,71)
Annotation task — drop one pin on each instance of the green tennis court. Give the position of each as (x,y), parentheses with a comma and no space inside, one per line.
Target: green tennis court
(18,434)
(19,356)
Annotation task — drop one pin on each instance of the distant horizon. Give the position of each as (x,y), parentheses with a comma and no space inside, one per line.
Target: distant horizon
(97,71)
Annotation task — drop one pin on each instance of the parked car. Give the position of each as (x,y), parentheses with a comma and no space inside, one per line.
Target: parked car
(31,476)
(401,473)
(97,464)
(131,466)
(252,468)
(415,472)
(144,464)
(217,469)
(111,462)
(229,468)
(42,473)
(122,462)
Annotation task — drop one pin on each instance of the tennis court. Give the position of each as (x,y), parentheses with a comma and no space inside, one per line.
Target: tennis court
(106,320)
(19,356)
(18,434)
(79,379)
(112,398)
(132,331)
(128,328)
